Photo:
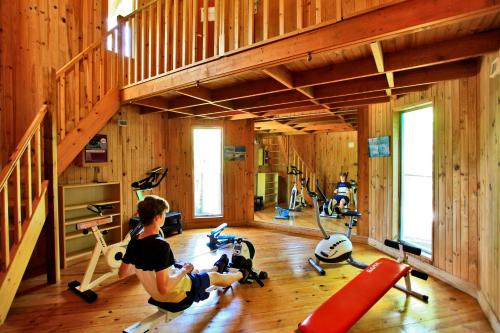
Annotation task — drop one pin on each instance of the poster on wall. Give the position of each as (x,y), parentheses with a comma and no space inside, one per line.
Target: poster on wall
(379,147)
(234,153)
(96,151)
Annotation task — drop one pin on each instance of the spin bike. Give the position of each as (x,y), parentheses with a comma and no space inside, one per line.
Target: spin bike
(333,248)
(113,253)
(297,201)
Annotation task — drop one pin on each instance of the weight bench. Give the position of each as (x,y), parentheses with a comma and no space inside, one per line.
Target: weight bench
(355,298)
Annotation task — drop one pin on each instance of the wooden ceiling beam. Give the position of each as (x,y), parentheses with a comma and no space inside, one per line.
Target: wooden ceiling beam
(153,102)
(197,92)
(360,102)
(369,27)
(248,89)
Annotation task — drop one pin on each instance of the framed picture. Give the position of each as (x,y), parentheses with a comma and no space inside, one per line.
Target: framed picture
(234,153)
(379,147)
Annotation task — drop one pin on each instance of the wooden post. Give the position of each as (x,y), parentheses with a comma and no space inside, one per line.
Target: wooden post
(50,173)
(28,179)
(4,235)
(17,202)
(282,17)
(194,34)
(250,22)
(363,172)
(38,163)
(158,33)
(167,34)
(300,14)
(265,15)
(121,49)
(205,29)
(236,25)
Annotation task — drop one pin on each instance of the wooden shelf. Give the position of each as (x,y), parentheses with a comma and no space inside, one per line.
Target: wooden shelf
(84,205)
(87,218)
(79,233)
(74,199)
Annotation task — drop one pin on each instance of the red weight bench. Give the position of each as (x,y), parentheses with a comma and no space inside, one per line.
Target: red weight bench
(351,302)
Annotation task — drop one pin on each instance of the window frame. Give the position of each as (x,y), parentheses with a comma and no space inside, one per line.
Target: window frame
(221,215)
(397,176)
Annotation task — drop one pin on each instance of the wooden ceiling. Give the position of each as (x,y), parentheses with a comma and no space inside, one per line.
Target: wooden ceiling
(324,91)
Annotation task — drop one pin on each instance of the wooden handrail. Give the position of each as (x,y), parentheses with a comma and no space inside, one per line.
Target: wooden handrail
(21,147)
(82,54)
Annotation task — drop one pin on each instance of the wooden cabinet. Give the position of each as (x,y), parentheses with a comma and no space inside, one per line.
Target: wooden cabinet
(267,187)
(74,199)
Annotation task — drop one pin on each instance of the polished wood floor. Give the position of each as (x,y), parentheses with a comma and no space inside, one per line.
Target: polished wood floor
(292,292)
(302,219)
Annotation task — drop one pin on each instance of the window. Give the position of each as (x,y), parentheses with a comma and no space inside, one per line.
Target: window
(115,9)
(207,151)
(416,178)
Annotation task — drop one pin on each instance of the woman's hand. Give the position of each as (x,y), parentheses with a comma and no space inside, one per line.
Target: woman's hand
(188,267)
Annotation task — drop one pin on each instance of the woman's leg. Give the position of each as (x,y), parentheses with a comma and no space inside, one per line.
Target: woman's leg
(224,280)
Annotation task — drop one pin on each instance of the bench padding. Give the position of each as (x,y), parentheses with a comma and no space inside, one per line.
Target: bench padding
(344,308)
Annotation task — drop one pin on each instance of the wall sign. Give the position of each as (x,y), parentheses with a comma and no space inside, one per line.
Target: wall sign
(379,147)
(96,151)
(235,153)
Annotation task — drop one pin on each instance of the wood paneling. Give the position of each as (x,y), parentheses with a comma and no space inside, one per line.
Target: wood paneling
(489,190)
(36,36)
(238,176)
(455,231)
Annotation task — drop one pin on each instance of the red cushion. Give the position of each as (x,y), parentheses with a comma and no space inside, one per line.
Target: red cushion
(344,308)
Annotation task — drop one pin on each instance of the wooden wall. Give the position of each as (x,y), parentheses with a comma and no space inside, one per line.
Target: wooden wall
(153,140)
(35,36)
(489,191)
(328,154)
(455,233)
(238,176)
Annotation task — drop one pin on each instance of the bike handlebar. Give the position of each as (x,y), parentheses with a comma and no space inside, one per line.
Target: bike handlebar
(154,178)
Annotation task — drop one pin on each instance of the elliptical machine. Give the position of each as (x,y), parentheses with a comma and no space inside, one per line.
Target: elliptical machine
(333,248)
(297,201)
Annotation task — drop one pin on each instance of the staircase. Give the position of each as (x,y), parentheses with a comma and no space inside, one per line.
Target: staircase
(28,200)
(307,171)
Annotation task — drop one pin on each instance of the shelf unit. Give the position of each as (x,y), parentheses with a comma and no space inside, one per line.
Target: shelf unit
(267,187)
(74,200)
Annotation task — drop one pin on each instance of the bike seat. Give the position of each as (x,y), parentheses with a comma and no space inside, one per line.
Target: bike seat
(98,209)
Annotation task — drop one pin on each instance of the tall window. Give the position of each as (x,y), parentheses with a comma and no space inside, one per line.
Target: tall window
(207,150)
(416,177)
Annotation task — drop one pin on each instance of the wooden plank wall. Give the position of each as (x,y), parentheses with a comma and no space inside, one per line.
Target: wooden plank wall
(238,176)
(455,248)
(489,189)
(153,140)
(38,35)
(330,155)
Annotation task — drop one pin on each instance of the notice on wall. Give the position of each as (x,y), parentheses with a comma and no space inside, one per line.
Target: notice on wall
(379,147)
(96,151)
(235,153)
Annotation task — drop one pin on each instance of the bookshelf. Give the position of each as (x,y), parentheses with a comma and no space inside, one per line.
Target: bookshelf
(267,187)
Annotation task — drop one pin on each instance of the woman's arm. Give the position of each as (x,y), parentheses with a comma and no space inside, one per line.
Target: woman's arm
(125,270)
(166,282)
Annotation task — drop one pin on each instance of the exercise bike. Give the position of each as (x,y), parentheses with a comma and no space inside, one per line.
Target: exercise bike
(297,200)
(328,209)
(113,254)
(333,248)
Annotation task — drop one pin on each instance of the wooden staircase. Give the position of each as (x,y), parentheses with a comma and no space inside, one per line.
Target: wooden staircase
(28,199)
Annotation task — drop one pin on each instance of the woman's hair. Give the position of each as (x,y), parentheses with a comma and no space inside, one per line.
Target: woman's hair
(151,206)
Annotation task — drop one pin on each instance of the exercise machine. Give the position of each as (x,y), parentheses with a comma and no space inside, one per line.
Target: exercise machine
(297,200)
(113,254)
(328,209)
(173,220)
(283,213)
(332,248)
(355,298)
(217,241)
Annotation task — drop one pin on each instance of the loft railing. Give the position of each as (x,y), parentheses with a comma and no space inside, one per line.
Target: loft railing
(307,170)
(167,35)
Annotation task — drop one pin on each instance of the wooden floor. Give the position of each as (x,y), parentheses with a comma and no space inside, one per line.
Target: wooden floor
(302,219)
(292,292)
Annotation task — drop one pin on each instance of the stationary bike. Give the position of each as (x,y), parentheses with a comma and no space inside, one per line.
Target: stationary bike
(329,210)
(113,253)
(333,248)
(297,201)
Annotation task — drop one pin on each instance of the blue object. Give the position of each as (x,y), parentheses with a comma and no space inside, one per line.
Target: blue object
(283,214)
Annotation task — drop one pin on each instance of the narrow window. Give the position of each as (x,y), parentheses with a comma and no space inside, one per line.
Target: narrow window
(207,151)
(416,178)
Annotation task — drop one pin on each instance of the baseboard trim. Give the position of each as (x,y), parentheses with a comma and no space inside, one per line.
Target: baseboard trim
(488,311)
(299,230)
